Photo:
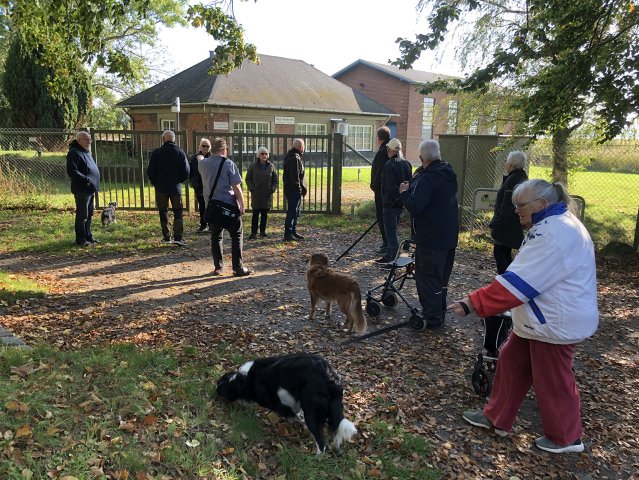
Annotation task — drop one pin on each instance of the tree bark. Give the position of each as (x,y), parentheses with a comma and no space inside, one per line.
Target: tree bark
(560,155)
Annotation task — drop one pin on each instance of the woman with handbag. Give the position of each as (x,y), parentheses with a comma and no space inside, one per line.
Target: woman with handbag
(222,185)
(261,180)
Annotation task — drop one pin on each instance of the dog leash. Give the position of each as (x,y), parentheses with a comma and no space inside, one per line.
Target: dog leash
(414,321)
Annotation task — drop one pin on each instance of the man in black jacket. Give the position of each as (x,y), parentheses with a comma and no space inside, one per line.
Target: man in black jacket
(294,189)
(431,199)
(85,182)
(168,169)
(381,157)
(396,171)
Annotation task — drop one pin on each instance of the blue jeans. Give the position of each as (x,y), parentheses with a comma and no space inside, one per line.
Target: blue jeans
(391,219)
(84,206)
(294,201)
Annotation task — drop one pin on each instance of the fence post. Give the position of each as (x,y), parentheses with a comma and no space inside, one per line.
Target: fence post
(636,243)
(142,172)
(338,161)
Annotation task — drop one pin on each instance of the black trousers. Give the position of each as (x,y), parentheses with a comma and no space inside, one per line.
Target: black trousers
(162,203)
(84,207)
(236,233)
(379,214)
(256,217)
(201,208)
(432,272)
(503,257)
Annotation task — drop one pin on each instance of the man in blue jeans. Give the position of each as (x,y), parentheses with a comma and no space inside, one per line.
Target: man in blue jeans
(85,182)
(294,189)
(168,169)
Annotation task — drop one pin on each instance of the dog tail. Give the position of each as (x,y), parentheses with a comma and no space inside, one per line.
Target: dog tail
(359,324)
(341,428)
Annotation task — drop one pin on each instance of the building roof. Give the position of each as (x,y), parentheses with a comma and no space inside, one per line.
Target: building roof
(409,76)
(275,83)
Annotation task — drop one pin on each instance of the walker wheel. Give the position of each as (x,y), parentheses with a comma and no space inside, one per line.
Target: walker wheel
(389,299)
(373,308)
(417,323)
(481,381)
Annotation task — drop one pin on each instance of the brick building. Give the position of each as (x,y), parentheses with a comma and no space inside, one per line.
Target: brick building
(278,95)
(419,116)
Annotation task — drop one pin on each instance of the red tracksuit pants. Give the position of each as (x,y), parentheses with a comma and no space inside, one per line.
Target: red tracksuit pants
(547,368)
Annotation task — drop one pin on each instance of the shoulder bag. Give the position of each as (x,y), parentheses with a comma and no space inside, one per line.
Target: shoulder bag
(218,212)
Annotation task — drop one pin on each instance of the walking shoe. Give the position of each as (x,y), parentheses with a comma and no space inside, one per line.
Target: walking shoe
(263,234)
(252,236)
(298,236)
(479,420)
(550,446)
(180,242)
(383,260)
(202,229)
(82,244)
(218,271)
(94,240)
(166,240)
(290,238)
(242,273)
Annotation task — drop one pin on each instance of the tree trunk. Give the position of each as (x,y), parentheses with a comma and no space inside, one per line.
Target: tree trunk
(560,156)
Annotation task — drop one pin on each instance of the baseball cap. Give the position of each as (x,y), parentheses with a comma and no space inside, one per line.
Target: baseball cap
(394,144)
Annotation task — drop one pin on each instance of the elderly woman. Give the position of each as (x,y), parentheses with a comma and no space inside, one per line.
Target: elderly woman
(505,228)
(261,180)
(552,290)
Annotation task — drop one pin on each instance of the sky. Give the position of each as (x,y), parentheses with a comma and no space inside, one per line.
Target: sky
(328,34)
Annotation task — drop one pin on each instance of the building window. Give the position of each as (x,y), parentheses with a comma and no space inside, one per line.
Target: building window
(453,106)
(472,129)
(360,137)
(250,144)
(312,144)
(427,118)
(167,125)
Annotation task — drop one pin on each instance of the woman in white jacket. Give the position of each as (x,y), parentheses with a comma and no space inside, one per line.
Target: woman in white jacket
(551,289)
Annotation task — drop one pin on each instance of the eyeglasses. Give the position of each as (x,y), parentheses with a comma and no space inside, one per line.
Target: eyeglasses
(205,146)
(522,205)
(263,153)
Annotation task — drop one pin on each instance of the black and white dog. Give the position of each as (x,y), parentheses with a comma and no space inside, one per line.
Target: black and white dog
(108,214)
(290,384)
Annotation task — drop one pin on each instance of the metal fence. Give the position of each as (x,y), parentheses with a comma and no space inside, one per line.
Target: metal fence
(606,176)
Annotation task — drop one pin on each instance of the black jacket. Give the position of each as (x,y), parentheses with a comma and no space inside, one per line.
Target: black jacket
(396,171)
(195,179)
(168,168)
(293,173)
(84,173)
(505,227)
(381,157)
(432,203)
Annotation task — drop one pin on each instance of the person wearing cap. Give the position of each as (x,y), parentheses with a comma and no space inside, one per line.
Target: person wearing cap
(228,189)
(381,157)
(396,171)
(431,199)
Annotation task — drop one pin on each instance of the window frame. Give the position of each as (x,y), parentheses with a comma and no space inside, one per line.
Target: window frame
(312,143)
(428,118)
(361,142)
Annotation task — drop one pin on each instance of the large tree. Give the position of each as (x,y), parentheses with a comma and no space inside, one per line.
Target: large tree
(105,37)
(567,60)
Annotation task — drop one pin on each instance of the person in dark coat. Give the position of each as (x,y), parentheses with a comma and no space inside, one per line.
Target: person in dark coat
(195,180)
(381,157)
(168,169)
(294,189)
(85,182)
(431,199)
(396,170)
(261,180)
(505,228)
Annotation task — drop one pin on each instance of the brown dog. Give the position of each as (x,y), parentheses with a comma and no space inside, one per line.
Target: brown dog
(331,286)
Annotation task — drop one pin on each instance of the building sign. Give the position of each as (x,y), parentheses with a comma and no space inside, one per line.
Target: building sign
(220,125)
(284,120)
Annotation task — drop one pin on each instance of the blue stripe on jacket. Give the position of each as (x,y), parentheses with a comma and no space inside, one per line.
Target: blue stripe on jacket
(527,290)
